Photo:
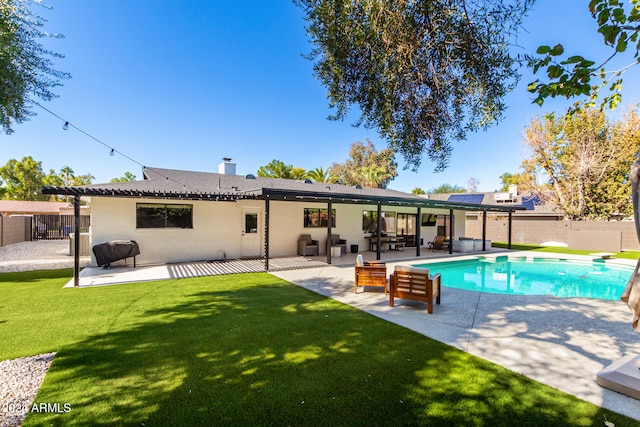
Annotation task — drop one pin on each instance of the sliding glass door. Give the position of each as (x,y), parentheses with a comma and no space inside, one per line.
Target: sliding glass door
(407,225)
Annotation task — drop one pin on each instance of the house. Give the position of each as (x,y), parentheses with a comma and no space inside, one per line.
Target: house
(178,216)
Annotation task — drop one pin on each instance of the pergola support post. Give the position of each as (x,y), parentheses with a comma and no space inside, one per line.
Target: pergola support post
(450,231)
(76,243)
(266,234)
(379,234)
(329,227)
(510,229)
(484,230)
(418,227)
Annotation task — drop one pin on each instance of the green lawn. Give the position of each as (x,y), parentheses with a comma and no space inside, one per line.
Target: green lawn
(560,250)
(251,349)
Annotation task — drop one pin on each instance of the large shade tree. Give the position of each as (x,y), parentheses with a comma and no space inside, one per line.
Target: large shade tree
(27,70)
(592,79)
(23,179)
(583,161)
(366,166)
(422,72)
(278,169)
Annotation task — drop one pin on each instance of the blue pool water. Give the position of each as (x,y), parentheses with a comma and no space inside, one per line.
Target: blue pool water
(535,276)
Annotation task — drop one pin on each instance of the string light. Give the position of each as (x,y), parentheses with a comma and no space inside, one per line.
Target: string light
(112,150)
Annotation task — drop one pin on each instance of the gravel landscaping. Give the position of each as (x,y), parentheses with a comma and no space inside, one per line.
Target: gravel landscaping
(40,255)
(20,380)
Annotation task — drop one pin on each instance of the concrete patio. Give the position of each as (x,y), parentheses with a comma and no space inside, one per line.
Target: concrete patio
(124,272)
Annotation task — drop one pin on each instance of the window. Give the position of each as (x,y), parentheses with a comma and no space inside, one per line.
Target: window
(318,217)
(429,220)
(160,215)
(370,221)
(251,223)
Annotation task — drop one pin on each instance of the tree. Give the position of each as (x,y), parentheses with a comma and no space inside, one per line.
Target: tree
(82,180)
(26,66)
(298,173)
(127,177)
(67,174)
(366,166)
(586,161)
(423,73)
(418,191)
(373,176)
(472,185)
(23,179)
(320,175)
(577,76)
(522,180)
(447,188)
(275,169)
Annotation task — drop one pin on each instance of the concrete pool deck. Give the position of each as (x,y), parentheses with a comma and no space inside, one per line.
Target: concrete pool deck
(561,342)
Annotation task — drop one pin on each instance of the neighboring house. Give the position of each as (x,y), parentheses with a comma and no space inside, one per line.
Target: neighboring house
(533,208)
(24,207)
(178,216)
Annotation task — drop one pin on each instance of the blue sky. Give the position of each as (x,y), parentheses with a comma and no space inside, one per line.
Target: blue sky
(183,84)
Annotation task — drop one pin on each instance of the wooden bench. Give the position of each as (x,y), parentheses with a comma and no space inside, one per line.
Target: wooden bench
(414,284)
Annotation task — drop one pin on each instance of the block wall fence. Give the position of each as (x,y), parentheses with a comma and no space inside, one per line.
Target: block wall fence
(537,231)
(14,229)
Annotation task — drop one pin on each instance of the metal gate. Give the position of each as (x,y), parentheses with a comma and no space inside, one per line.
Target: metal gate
(56,227)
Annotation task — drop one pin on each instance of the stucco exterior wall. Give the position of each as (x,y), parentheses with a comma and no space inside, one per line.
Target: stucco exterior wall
(217,226)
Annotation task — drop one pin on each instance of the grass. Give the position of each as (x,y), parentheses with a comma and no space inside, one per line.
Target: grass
(561,250)
(251,349)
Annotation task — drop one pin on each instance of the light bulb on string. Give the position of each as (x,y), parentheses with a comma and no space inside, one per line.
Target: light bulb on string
(112,152)
(65,126)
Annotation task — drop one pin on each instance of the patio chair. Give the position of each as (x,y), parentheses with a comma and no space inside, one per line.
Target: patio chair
(307,246)
(370,273)
(337,242)
(439,243)
(414,284)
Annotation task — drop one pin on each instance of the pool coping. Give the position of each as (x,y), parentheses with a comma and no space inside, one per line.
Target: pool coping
(537,255)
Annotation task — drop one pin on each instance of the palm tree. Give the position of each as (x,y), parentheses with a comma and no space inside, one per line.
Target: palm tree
(373,176)
(298,173)
(320,175)
(67,175)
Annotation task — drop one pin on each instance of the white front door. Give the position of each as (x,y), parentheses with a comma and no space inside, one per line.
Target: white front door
(251,236)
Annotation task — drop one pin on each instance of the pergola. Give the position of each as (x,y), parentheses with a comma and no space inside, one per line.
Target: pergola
(278,194)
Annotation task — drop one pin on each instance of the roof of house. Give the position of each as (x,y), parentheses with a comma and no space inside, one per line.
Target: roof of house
(32,207)
(190,185)
(529,205)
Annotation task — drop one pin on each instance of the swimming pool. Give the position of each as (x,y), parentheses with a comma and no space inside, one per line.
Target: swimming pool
(535,276)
